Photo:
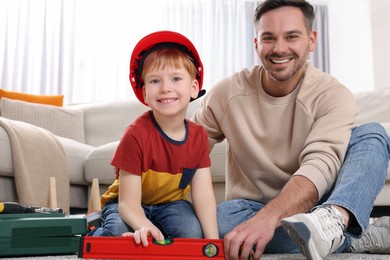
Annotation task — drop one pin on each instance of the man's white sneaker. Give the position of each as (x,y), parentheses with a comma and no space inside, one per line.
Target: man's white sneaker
(317,234)
(375,240)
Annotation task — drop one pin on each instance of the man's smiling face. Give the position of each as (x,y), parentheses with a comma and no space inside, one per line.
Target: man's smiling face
(283,42)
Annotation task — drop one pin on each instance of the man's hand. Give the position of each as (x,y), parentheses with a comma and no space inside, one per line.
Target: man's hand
(251,235)
(298,195)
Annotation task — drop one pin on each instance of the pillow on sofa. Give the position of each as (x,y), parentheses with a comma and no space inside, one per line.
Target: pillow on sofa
(68,123)
(55,100)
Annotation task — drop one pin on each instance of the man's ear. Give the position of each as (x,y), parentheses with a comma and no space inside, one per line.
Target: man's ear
(313,41)
(255,43)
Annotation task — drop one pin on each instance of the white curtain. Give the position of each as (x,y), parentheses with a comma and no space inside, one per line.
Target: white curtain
(321,24)
(82,48)
(36,46)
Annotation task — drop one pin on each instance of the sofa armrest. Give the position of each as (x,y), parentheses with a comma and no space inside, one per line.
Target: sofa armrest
(6,154)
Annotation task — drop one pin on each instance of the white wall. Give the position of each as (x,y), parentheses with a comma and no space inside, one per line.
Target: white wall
(359,39)
(350,44)
(380,13)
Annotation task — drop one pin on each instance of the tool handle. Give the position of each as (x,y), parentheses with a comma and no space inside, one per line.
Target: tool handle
(47,210)
(14,208)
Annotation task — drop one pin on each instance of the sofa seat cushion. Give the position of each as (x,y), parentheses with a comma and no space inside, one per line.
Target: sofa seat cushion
(98,163)
(76,153)
(218,164)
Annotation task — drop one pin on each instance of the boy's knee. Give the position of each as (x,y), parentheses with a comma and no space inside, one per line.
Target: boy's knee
(190,228)
(116,231)
(104,232)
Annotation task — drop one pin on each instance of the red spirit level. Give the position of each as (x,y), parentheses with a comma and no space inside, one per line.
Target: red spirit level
(125,248)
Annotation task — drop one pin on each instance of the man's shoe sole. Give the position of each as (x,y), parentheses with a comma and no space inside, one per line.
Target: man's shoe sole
(299,233)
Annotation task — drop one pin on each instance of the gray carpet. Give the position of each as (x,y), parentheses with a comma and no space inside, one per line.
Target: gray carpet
(265,257)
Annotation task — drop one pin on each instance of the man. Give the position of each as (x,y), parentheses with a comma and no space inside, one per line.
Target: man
(288,127)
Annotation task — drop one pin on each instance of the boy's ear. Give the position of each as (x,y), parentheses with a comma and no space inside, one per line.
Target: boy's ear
(144,94)
(195,89)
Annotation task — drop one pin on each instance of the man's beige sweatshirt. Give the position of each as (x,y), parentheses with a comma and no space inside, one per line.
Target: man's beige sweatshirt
(270,139)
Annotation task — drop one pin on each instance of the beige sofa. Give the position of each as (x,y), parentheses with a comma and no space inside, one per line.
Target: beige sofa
(101,125)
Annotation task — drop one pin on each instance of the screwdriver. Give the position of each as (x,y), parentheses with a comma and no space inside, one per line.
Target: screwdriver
(16,208)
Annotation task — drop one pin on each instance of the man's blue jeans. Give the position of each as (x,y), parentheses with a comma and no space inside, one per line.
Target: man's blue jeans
(358,183)
(174,219)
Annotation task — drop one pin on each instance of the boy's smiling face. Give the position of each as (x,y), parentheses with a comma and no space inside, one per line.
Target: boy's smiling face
(168,90)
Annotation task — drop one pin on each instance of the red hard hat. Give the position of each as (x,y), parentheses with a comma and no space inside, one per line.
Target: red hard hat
(155,41)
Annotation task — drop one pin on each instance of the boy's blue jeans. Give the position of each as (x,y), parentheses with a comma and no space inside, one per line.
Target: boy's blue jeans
(174,219)
(358,183)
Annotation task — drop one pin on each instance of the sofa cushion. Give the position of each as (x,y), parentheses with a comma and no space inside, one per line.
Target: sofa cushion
(98,163)
(105,122)
(63,122)
(76,153)
(55,100)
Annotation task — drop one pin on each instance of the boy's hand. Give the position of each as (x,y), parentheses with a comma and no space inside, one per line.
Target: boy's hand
(142,234)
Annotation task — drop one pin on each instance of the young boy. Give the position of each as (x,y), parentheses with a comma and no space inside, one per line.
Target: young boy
(161,154)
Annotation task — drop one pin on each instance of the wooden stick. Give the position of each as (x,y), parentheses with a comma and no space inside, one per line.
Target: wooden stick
(94,197)
(52,193)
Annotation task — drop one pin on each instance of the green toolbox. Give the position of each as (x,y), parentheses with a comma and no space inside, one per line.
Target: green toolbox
(32,234)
